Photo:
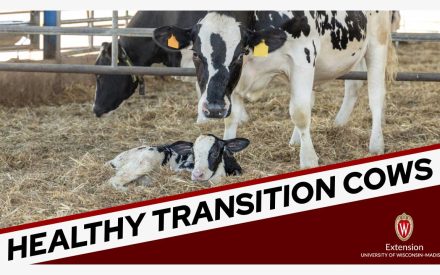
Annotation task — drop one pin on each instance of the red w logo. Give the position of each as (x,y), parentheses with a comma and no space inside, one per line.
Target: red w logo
(404,226)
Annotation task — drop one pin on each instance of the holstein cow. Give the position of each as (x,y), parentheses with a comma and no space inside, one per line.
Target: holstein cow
(112,90)
(209,159)
(307,46)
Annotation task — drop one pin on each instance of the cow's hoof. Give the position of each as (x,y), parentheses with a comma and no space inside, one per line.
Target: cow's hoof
(376,145)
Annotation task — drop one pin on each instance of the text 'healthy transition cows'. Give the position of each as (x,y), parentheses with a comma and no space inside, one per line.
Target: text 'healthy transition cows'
(306,46)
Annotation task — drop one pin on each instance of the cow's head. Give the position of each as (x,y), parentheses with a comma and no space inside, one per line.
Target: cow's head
(219,43)
(112,90)
(210,156)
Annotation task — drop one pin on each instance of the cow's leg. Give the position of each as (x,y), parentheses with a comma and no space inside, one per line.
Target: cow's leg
(302,75)
(296,136)
(350,96)
(376,58)
(238,115)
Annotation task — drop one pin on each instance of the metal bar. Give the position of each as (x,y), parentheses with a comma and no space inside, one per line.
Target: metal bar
(96,69)
(416,37)
(99,19)
(16,48)
(147,32)
(35,21)
(58,39)
(403,76)
(13,12)
(171,71)
(90,14)
(115,40)
(134,32)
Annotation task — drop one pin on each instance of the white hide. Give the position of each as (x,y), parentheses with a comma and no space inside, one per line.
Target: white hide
(133,164)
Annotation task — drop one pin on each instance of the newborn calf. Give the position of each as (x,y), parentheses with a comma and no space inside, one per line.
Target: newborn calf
(137,163)
(213,157)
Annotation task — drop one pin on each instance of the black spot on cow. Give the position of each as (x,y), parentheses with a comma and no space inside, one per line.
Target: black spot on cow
(232,168)
(314,53)
(219,50)
(215,154)
(264,19)
(354,28)
(307,51)
(312,14)
(298,25)
(200,63)
(353,54)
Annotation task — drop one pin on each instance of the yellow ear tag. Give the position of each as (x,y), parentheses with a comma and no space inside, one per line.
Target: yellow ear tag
(261,49)
(172,42)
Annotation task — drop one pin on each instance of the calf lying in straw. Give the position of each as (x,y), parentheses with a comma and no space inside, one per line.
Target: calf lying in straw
(209,159)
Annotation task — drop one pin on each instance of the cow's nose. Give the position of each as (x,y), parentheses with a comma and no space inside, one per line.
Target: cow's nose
(215,110)
(197,175)
(98,111)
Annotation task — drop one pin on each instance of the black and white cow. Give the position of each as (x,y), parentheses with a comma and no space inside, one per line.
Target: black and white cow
(112,90)
(307,46)
(139,162)
(209,159)
(214,159)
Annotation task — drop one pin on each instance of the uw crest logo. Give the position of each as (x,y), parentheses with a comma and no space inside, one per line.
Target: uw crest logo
(404,226)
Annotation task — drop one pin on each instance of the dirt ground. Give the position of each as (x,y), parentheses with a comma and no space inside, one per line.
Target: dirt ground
(52,153)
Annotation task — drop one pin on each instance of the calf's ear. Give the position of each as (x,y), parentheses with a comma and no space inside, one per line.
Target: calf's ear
(182,147)
(172,38)
(236,144)
(270,37)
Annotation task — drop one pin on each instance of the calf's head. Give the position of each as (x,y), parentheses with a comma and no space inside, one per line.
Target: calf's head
(213,157)
(219,42)
(112,90)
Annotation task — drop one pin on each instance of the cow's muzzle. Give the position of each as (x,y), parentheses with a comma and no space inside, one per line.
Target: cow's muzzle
(215,110)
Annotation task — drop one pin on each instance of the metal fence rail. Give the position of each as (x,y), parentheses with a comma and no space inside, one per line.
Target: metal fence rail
(170,71)
(148,32)
(134,32)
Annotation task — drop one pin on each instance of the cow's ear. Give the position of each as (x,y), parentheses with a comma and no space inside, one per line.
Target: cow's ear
(172,38)
(236,144)
(182,147)
(267,40)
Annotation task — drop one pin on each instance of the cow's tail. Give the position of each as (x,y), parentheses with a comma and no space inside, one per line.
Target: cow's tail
(392,60)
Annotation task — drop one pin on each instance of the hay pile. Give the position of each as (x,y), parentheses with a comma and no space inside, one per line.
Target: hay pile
(51,157)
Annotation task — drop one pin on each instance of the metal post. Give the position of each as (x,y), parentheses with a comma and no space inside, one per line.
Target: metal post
(50,41)
(115,40)
(35,21)
(90,23)
(58,39)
